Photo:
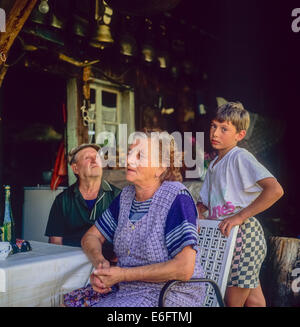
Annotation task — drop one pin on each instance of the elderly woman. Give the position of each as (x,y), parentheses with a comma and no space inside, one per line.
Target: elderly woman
(152,225)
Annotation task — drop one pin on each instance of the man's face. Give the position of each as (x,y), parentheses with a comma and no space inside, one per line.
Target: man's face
(87,163)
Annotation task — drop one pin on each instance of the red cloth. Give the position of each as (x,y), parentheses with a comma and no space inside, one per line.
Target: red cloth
(60,170)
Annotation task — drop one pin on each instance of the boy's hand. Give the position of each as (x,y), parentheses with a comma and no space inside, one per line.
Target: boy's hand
(226,225)
(201,208)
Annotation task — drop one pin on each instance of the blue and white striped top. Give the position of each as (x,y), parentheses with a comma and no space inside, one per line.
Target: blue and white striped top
(181,223)
(139,209)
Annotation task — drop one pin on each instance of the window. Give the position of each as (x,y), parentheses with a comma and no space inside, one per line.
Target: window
(113,106)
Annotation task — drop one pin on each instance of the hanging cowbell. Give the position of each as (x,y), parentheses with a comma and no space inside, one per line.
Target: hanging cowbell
(143,7)
(163,59)
(102,36)
(188,67)
(163,46)
(39,18)
(128,45)
(79,26)
(148,53)
(56,21)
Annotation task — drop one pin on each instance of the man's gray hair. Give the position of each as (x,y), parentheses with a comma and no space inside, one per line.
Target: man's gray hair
(73,153)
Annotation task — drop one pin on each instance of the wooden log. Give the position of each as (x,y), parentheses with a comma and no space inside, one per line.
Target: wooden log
(15,21)
(281,280)
(16,18)
(3,70)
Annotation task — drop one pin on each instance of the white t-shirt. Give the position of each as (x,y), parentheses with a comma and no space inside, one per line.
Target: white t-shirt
(231,184)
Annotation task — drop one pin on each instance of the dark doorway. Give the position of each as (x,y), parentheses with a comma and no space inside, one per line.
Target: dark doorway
(33,126)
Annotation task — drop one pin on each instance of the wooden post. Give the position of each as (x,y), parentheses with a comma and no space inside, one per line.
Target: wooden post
(281,280)
(16,18)
(72,114)
(82,131)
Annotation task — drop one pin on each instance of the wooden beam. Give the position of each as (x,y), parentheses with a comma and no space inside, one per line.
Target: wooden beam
(16,18)
(15,21)
(3,70)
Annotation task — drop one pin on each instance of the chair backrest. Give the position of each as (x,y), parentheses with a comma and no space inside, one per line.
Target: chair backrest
(216,256)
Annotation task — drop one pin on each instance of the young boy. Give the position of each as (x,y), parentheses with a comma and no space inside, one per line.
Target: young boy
(236,188)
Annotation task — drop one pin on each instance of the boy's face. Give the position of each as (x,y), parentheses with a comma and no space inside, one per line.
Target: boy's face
(224,135)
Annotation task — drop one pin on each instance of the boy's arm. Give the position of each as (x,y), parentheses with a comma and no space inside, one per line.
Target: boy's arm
(201,209)
(272,192)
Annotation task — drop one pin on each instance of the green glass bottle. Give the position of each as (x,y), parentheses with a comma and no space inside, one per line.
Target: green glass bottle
(8,222)
(1,217)
(1,233)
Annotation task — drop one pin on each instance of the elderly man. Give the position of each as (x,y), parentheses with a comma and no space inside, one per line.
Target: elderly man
(75,210)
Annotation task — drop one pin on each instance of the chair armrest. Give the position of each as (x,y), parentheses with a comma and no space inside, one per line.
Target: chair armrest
(171,283)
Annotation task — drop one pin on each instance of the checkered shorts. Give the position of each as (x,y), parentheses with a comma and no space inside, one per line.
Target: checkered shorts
(248,256)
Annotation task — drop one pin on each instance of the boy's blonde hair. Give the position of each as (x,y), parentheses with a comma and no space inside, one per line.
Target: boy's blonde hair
(235,113)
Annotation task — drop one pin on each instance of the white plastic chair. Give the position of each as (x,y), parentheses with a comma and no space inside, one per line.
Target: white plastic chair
(216,256)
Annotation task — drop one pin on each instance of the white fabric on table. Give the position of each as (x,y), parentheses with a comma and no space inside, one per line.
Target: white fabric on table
(40,277)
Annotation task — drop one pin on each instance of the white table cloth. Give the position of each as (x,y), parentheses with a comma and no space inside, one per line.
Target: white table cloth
(40,277)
